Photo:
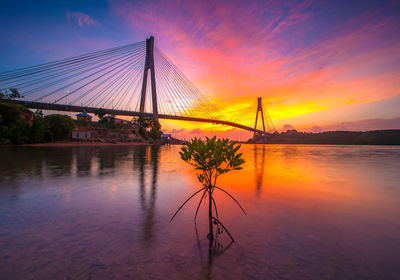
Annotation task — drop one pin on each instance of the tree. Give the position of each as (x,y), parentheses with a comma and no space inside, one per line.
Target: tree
(10,94)
(59,127)
(19,132)
(155,131)
(211,158)
(14,93)
(13,128)
(4,139)
(100,113)
(10,111)
(149,123)
(37,128)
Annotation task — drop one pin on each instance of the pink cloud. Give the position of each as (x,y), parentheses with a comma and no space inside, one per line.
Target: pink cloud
(196,131)
(234,134)
(237,51)
(316,129)
(82,19)
(287,127)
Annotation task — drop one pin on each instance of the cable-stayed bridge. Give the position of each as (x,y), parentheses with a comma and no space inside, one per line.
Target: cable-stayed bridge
(117,81)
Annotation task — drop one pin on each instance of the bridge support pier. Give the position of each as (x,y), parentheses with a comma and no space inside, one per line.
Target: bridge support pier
(260,109)
(149,65)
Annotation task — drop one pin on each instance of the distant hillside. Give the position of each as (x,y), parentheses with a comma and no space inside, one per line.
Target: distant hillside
(375,137)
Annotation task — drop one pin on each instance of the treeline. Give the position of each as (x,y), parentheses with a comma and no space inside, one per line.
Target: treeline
(18,125)
(375,137)
(148,127)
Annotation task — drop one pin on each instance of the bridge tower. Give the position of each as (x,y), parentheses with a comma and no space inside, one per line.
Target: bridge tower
(260,109)
(149,65)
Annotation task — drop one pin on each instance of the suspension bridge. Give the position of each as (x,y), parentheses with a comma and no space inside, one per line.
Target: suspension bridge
(116,81)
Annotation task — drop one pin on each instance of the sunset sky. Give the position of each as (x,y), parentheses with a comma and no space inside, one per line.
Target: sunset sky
(319,65)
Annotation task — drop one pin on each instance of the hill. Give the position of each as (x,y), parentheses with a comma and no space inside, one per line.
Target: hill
(375,137)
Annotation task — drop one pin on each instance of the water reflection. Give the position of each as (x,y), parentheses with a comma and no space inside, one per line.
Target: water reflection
(107,158)
(83,159)
(314,212)
(259,162)
(142,157)
(213,249)
(22,161)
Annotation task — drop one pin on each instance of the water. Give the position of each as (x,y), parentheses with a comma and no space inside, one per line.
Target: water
(313,212)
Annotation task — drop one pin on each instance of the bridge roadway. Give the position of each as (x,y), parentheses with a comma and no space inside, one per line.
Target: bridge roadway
(73,108)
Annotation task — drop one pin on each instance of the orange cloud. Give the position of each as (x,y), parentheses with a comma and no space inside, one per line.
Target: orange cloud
(235,52)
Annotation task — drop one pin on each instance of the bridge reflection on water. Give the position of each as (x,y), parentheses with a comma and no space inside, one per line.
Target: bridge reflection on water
(103,212)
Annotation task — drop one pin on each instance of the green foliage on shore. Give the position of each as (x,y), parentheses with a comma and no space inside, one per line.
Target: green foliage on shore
(13,128)
(18,125)
(16,133)
(38,128)
(100,113)
(10,111)
(59,127)
(149,128)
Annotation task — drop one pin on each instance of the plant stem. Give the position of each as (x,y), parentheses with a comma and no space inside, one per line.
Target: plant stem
(210,213)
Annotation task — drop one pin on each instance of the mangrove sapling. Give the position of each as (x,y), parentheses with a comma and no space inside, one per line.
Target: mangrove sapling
(212,158)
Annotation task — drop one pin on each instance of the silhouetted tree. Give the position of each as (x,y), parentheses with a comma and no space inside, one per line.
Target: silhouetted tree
(9,94)
(100,113)
(14,93)
(154,127)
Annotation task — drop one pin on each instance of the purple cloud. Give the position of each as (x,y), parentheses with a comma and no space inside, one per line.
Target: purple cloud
(366,125)
(82,19)
(316,129)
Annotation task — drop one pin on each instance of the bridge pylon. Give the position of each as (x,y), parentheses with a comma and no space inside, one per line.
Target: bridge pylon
(149,65)
(260,109)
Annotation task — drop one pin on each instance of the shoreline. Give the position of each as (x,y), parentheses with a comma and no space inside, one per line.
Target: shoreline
(87,144)
(72,144)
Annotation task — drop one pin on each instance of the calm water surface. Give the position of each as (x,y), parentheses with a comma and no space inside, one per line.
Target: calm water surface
(313,212)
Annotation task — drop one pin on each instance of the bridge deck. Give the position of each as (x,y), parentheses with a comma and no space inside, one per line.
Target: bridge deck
(73,108)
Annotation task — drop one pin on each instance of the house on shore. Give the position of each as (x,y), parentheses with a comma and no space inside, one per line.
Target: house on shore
(84,134)
(112,119)
(83,116)
(165,138)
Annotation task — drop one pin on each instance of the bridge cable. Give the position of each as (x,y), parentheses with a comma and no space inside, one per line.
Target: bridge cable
(84,78)
(133,61)
(165,78)
(59,72)
(28,70)
(179,76)
(74,75)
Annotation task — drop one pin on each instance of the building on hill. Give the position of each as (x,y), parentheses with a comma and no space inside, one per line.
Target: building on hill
(165,138)
(83,116)
(112,119)
(82,135)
